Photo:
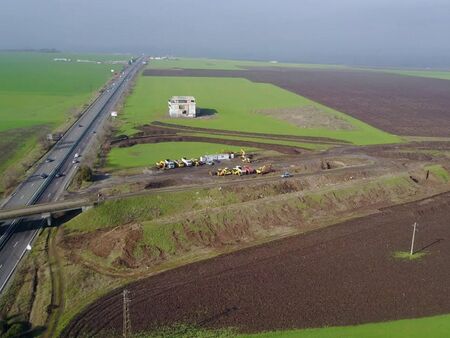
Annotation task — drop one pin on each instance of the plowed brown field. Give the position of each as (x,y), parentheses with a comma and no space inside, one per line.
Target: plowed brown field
(340,275)
(398,104)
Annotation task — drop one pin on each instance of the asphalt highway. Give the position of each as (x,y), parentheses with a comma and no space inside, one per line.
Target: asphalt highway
(53,174)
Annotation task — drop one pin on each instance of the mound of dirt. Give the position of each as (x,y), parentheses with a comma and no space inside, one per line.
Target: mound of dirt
(160,184)
(117,245)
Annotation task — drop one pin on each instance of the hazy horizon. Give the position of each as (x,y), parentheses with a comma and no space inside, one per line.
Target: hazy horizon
(372,33)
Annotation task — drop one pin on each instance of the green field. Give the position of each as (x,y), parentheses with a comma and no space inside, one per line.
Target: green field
(431,327)
(37,95)
(237,102)
(145,155)
(35,90)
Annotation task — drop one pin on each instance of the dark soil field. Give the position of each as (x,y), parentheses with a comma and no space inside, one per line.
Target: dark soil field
(340,275)
(398,104)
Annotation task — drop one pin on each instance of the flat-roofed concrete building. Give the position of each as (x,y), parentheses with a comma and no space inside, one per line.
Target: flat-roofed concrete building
(182,106)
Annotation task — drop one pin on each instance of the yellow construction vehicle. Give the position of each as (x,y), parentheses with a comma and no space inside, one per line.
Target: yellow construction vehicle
(237,170)
(221,172)
(179,164)
(224,172)
(245,158)
(165,164)
(160,164)
(264,169)
(196,162)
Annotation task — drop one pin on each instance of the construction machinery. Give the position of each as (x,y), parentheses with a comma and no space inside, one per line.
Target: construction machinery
(237,170)
(160,164)
(221,172)
(187,163)
(265,169)
(166,164)
(179,164)
(245,158)
(196,162)
(249,170)
(246,170)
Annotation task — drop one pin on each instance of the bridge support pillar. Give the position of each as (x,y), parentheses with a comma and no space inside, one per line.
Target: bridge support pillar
(47,216)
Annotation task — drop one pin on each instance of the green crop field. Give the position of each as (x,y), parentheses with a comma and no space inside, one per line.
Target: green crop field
(38,94)
(431,327)
(237,102)
(145,155)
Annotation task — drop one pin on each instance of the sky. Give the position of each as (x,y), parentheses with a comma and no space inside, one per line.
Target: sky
(407,33)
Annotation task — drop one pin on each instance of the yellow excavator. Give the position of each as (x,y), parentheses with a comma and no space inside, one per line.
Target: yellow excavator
(237,171)
(221,172)
(179,164)
(245,158)
(196,162)
(265,169)
(160,164)
(165,164)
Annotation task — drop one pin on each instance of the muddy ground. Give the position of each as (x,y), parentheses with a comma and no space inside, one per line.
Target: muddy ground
(339,275)
(401,105)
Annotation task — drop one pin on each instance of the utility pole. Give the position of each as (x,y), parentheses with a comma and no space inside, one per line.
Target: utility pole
(413,238)
(126,314)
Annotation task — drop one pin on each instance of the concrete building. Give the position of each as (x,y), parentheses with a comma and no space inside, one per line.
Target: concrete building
(182,106)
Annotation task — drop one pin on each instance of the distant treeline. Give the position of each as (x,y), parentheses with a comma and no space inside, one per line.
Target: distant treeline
(42,50)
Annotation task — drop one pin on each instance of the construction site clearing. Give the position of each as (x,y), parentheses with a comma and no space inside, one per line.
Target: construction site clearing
(266,165)
(217,158)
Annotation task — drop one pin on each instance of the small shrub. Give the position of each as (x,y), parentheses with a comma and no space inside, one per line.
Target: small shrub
(85,173)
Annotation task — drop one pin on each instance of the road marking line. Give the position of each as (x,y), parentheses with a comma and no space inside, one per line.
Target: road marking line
(1,266)
(49,194)
(32,184)
(15,244)
(21,197)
